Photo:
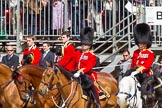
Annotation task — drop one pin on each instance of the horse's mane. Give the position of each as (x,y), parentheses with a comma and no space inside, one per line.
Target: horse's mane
(24,70)
(68,75)
(145,84)
(147,88)
(5,70)
(2,64)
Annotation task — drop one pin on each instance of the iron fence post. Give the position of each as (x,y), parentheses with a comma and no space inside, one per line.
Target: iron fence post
(114,23)
(66,15)
(18,42)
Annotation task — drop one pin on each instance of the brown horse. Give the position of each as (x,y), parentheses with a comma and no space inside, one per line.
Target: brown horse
(29,74)
(9,96)
(71,90)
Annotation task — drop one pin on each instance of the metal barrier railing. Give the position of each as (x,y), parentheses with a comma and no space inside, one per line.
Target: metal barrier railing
(46,20)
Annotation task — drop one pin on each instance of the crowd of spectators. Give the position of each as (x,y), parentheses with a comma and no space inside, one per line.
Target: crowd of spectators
(47,17)
(42,17)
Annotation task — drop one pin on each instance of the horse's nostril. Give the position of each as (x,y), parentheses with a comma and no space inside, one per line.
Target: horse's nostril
(25,97)
(42,92)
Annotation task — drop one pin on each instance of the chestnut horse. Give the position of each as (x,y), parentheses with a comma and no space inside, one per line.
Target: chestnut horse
(71,90)
(9,96)
(29,75)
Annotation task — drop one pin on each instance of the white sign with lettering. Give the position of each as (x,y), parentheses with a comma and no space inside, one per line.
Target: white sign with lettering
(154,15)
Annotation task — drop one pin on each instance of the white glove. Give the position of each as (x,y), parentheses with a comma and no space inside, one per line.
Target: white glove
(76,75)
(134,73)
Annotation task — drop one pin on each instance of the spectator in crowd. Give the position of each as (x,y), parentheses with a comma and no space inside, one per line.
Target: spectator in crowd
(10,59)
(33,9)
(143,58)
(159,67)
(107,5)
(124,63)
(45,4)
(14,16)
(32,50)
(57,16)
(75,16)
(47,56)
(78,15)
(95,9)
(68,51)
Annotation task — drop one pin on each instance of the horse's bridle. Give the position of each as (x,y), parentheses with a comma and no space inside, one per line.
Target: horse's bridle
(49,82)
(153,89)
(129,96)
(53,75)
(159,85)
(23,82)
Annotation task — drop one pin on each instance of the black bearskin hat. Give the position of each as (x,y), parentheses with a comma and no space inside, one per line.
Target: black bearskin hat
(142,34)
(87,35)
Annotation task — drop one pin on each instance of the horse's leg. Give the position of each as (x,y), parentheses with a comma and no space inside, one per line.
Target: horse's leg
(111,88)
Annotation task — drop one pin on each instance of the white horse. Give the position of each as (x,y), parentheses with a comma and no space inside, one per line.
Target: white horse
(129,96)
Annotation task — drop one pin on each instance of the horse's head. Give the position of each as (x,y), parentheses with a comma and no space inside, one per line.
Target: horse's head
(124,94)
(23,85)
(49,78)
(129,93)
(122,99)
(148,90)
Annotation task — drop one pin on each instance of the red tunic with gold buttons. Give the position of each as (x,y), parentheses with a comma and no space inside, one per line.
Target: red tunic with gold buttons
(143,61)
(68,60)
(86,60)
(37,54)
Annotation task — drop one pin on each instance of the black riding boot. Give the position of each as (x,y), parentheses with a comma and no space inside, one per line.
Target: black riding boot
(95,97)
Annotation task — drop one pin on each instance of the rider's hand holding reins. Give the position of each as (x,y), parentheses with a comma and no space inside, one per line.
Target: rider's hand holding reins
(134,73)
(138,70)
(77,74)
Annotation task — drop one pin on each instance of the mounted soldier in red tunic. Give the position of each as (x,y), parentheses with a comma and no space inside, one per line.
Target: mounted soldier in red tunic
(85,61)
(143,57)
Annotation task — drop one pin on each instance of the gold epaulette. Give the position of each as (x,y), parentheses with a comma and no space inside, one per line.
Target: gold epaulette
(92,52)
(150,51)
(67,44)
(34,47)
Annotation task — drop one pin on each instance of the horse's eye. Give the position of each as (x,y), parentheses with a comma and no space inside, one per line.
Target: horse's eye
(48,75)
(20,81)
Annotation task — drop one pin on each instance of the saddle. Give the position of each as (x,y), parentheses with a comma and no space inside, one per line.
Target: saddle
(103,94)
